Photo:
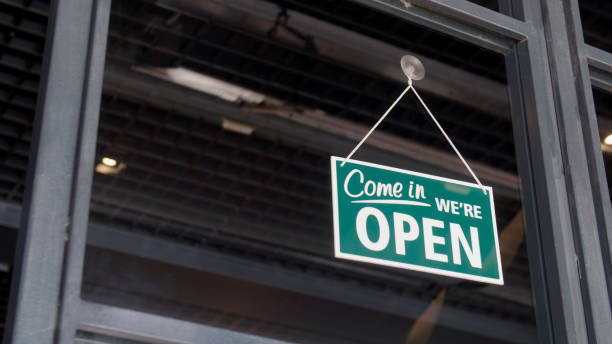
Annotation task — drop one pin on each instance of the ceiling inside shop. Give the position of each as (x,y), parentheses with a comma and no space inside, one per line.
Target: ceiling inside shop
(191,181)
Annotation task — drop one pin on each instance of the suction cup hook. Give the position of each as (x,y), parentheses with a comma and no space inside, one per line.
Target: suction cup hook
(412,67)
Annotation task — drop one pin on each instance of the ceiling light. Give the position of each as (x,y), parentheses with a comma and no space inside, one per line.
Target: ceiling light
(204,83)
(109,166)
(608,140)
(237,127)
(109,162)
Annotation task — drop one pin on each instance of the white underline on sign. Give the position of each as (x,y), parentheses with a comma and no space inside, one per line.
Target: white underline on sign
(392,201)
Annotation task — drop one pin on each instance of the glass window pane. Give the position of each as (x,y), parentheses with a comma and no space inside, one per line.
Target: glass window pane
(217,123)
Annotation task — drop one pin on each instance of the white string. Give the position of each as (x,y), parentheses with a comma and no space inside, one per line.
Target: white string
(449,141)
(377,123)
(435,121)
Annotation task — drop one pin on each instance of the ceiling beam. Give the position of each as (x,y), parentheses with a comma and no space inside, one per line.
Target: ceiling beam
(307,128)
(319,286)
(357,50)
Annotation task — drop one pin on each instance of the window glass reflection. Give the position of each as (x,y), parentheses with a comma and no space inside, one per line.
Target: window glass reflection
(213,176)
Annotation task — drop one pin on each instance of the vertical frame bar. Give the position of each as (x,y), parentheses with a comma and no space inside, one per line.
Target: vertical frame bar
(521,88)
(588,120)
(54,197)
(578,295)
(533,226)
(70,297)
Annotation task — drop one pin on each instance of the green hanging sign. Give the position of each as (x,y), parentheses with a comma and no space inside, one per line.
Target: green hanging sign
(415,221)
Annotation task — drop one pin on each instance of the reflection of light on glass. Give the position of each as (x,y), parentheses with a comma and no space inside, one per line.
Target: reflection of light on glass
(457,188)
(608,140)
(109,162)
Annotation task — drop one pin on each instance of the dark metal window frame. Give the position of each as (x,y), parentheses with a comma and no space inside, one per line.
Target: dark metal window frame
(565,194)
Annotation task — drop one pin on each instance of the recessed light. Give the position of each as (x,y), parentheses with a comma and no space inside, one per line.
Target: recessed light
(109,165)
(237,127)
(110,162)
(608,140)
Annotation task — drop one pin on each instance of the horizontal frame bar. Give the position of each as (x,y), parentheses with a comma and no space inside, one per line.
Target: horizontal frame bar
(598,58)
(140,326)
(479,16)
(461,19)
(601,79)
(600,67)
